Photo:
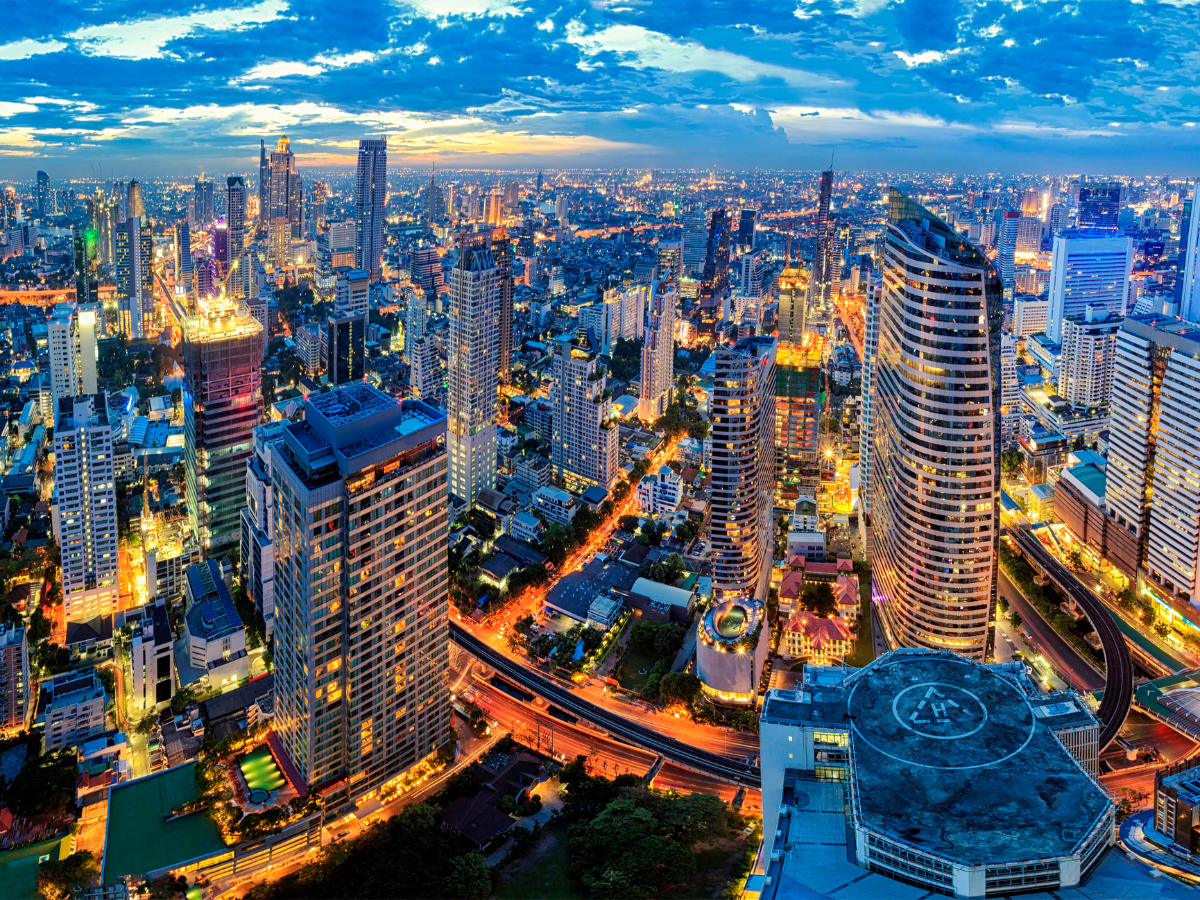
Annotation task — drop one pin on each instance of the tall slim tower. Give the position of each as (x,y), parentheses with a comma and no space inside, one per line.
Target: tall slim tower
(264,184)
(694,242)
(346,329)
(235,231)
(202,203)
(472,402)
(658,354)
(821,275)
(584,445)
(370,199)
(183,255)
(935,467)
(222,400)
(135,205)
(134,249)
(873,297)
(361,583)
(43,193)
(280,202)
(1006,258)
(85,507)
(71,340)
(1189,291)
(86,242)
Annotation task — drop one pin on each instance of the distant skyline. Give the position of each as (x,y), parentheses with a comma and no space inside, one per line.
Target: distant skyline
(921,85)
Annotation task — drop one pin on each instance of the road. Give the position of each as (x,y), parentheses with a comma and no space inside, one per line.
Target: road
(705,761)
(1066,660)
(1118,688)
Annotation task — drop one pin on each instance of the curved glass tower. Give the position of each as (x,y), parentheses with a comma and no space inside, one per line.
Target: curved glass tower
(935,476)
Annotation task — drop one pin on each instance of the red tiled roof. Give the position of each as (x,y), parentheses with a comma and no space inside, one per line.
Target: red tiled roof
(847,591)
(820,631)
(792,585)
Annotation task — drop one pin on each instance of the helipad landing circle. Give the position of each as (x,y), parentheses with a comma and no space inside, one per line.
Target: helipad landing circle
(944,712)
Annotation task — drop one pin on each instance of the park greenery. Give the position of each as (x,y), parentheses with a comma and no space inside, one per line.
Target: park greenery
(818,598)
(628,840)
(626,361)
(668,570)
(683,415)
(45,786)
(406,856)
(58,879)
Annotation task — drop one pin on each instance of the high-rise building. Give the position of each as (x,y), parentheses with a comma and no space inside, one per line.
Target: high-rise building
(1087,270)
(584,446)
(134,248)
(472,402)
(222,400)
(264,184)
(43,194)
(741,529)
(658,354)
(346,329)
(238,281)
(203,207)
(793,303)
(425,270)
(183,255)
(361,566)
(1089,352)
(695,242)
(935,466)
(370,200)
(1152,495)
(257,556)
(284,208)
(425,371)
(71,341)
(512,196)
(318,208)
(871,302)
(1057,218)
(670,257)
(1099,207)
(18,694)
(618,316)
(87,276)
(84,514)
(416,317)
(135,206)
(1010,228)
(820,283)
(799,399)
(1010,390)
(8,208)
(1189,255)
(714,279)
(1029,315)
(745,235)
(750,273)
(435,202)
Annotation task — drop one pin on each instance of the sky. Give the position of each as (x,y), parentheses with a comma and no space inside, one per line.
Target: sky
(140,89)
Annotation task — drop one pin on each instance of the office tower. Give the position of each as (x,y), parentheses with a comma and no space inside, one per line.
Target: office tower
(793,294)
(670,257)
(71,341)
(494,209)
(257,556)
(87,276)
(222,402)
(1010,226)
(340,239)
(658,354)
(416,317)
(317,216)
(18,694)
(1152,495)
(202,199)
(208,284)
(750,270)
(1089,351)
(1010,392)
(714,279)
(822,263)
(219,236)
(584,446)
(471,360)
(8,208)
(370,201)
(85,506)
(235,236)
(346,329)
(1087,270)
(183,255)
(435,202)
(1029,315)
(872,299)
(43,193)
(425,270)
(361,567)
(512,196)
(1189,253)
(539,181)
(695,242)
(502,255)
(425,371)
(935,467)
(1057,218)
(102,218)
(1029,235)
(1099,206)
(134,206)
(264,184)
(562,204)
(134,248)
(745,236)
(799,395)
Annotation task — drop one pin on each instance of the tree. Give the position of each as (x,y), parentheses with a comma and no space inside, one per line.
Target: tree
(45,785)
(679,687)
(58,879)
(1016,619)
(1010,461)
(628,523)
(467,877)
(669,639)
(820,599)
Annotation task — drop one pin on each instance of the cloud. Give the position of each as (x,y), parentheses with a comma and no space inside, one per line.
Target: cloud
(280,70)
(29,47)
(145,38)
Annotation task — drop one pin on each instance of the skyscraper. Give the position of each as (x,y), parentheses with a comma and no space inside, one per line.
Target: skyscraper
(416,317)
(471,406)
(235,230)
(745,236)
(658,354)
(425,269)
(793,302)
(257,548)
(1087,270)
(183,256)
(799,399)
(264,185)
(71,341)
(346,329)
(135,206)
(222,400)
(134,246)
(435,202)
(43,193)
(819,282)
(584,446)
(1152,495)
(714,279)
(370,202)
(1089,350)
(935,466)
(1189,254)
(84,514)
(284,202)
(1010,228)
(695,242)
(361,589)
(872,299)
(87,277)
(1099,207)
(202,203)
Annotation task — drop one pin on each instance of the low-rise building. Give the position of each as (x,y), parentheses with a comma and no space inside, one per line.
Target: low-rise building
(164,567)
(101,762)
(72,708)
(527,527)
(808,636)
(150,656)
(660,494)
(554,505)
(533,472)
(215,634)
